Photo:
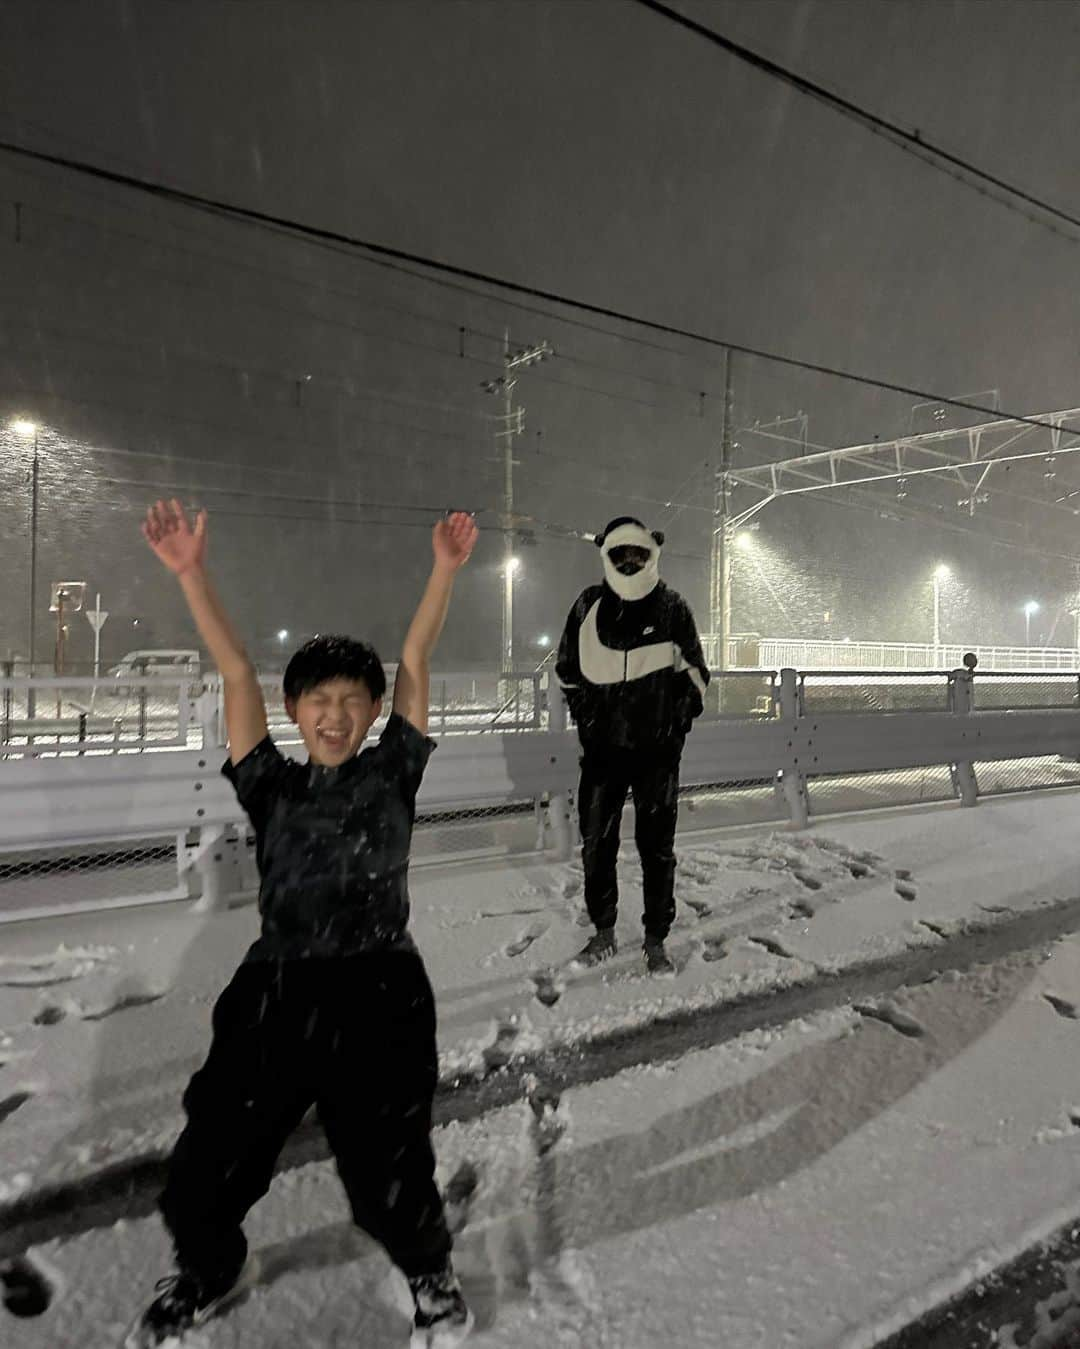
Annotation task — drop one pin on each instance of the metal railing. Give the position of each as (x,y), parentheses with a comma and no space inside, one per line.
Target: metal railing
(76,716)
(750,651)
(60,815)
(80,715)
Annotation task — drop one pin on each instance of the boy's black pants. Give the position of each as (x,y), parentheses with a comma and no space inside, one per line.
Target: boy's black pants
(355,1036)
(653,777)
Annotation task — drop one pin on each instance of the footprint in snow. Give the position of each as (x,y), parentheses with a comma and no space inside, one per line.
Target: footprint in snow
(548,988)
(714,948)
(27,1291)
(699,907)
(804,878)
(499,1054)
(458,1196)
(773,946)
(121,1004)
(532,933)
(891,1015)
(11,1103)
(906,890)
(1063,1007)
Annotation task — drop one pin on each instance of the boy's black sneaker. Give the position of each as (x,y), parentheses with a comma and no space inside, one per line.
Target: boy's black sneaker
(657,960)
(184,1301)
(600,946)
(442,1319)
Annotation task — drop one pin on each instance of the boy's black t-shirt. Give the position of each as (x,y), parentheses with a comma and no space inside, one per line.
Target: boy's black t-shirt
(333,845)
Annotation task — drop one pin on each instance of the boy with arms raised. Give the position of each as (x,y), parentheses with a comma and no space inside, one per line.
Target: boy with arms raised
(332,1004)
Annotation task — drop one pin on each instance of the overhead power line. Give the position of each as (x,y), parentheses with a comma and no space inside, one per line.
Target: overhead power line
(911,141)
(335,238)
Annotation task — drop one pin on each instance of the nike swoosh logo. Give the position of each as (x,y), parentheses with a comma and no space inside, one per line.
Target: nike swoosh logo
(602,664)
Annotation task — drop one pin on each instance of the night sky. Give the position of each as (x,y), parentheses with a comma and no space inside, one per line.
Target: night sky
(324,406)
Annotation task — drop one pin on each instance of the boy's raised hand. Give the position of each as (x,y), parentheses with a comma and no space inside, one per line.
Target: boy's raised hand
(168,532)
(453,540)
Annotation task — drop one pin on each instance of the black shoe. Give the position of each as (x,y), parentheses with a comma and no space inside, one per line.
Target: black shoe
(185,1301)
(442,1319)
(657,960)
(600,946)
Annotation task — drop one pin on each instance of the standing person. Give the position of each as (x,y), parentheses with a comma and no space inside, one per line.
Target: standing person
(632,669)
(332,1004)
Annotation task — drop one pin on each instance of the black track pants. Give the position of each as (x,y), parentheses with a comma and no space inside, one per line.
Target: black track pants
(653,778)
(354,1036)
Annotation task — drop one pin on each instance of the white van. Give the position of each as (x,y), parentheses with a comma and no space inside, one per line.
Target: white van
(165,664)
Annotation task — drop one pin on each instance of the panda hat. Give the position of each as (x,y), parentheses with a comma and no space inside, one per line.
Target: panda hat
(626,531)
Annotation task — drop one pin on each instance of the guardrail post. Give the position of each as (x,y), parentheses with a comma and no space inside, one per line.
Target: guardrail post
(218,862)
(185,705)
(8,668)
(792,778)
(560,804)
(208,714)
(962,702)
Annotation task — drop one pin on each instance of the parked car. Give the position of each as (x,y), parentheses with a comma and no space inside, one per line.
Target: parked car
(164,664)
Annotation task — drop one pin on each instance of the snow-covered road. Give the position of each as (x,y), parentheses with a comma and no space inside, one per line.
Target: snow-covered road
(806,1187)
(813,1184)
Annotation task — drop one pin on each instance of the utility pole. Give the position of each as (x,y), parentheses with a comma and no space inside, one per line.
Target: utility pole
(720,553)
(507,426)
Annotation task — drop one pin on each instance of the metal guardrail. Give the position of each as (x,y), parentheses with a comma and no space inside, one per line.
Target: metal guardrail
(50,803)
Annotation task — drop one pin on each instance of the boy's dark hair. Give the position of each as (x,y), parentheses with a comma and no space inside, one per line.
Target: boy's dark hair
(334,657)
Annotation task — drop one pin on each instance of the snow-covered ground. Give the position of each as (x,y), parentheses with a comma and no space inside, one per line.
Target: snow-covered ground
(806,1185)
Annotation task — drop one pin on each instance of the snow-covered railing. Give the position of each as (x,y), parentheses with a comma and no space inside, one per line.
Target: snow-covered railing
(72,801)
(81,715)
(749,651)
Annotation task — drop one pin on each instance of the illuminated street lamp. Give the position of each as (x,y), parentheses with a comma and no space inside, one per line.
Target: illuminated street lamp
(1032,607)
(941,574)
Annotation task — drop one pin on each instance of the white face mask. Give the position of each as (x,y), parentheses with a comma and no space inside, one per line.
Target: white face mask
(643,582)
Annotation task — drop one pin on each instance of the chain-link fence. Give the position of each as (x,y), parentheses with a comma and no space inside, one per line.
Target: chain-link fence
(832,794)
(826,691)
(1001,692)
(87,876)
(1025,775)
(741,693)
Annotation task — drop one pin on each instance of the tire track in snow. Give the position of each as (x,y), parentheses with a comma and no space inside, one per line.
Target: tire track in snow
(129,1189)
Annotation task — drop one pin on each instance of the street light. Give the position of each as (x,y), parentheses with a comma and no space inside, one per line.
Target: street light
(543,640)
(283,635)
(941,574)
(22,427)
(1032,607)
